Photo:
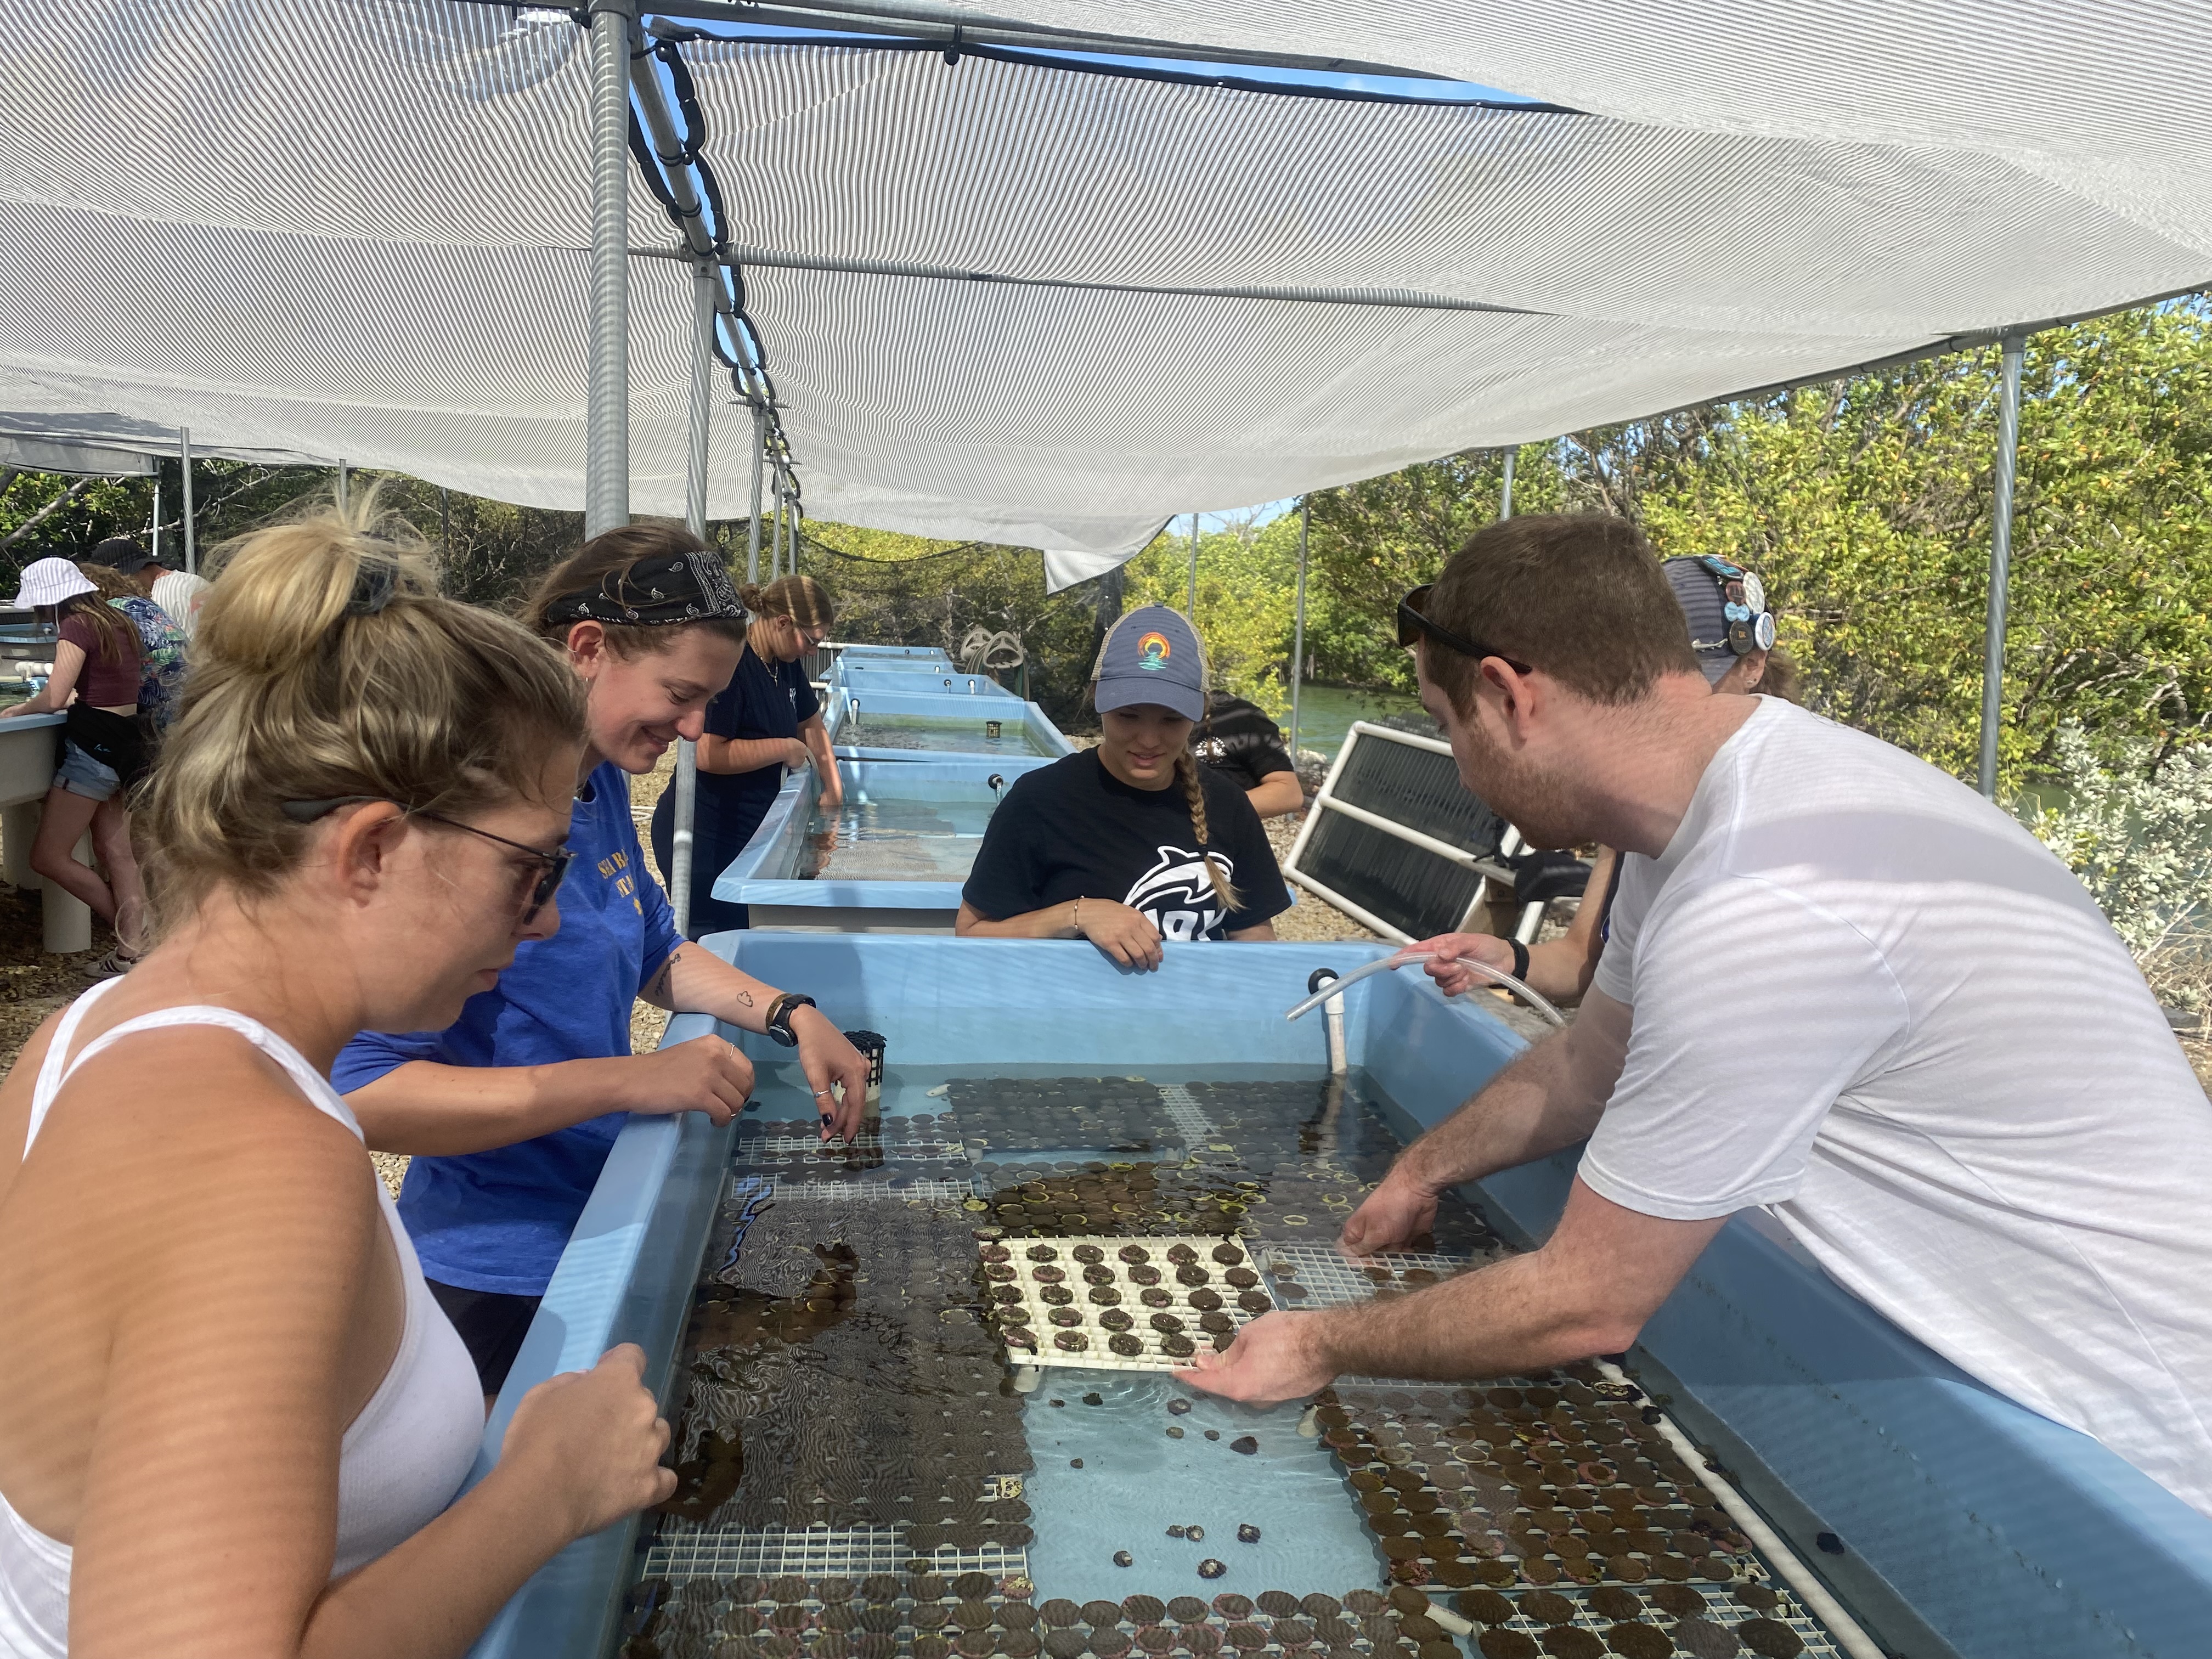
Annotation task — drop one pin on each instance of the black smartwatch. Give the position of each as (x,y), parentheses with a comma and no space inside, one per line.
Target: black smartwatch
(1520,959)
(779,1016)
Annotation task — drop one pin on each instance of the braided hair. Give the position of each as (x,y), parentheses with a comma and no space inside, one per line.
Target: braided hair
(1193,794)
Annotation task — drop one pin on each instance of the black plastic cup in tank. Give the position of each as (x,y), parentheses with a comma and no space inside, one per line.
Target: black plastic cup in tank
(871,1045)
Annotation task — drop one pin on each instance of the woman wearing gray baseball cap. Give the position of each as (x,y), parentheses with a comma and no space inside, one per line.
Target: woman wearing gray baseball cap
(1133,842)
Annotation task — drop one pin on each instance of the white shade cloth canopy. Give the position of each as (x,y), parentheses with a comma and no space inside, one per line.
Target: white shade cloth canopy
(1009,302)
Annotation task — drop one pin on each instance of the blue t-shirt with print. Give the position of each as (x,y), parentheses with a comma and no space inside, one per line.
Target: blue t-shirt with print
(499,1220)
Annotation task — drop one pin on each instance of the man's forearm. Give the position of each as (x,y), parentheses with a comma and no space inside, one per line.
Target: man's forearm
(1503,1320)
(430,1110)
(1528,1112)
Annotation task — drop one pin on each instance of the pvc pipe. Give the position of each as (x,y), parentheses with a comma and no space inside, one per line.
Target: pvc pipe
(695,515)
(1993,648)
(1298,631)
(1383,964)
(1823,1606)
(1338,1063)
(184,454)
(607,429)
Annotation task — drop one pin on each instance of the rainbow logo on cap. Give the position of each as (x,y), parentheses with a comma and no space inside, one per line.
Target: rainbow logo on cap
(1153,652)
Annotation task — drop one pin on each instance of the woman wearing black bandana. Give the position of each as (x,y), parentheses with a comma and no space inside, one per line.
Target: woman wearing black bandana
(511,1111)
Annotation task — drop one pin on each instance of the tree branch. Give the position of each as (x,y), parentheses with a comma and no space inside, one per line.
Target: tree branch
(44,513)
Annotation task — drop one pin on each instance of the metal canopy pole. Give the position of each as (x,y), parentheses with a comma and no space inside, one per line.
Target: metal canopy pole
(341,486)
(1298,632)
(796,515)
(156,537)
(760,463)
(184,455)
(1190,604)
(606,433)
(703,280)
(2000,562)
(1505,494)
(775,531)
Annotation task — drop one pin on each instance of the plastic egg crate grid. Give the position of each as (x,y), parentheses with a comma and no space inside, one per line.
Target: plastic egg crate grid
(883,1616)
(1050,1291)
(1321,1276)
(686,1553)
(1002,1115)
(1643,1623)
(796,1146)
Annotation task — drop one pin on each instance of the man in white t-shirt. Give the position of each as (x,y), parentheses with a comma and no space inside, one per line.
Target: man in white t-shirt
(1839,985)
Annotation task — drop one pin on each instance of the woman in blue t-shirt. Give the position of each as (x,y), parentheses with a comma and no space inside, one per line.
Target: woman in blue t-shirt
(766,722)
(510,1112)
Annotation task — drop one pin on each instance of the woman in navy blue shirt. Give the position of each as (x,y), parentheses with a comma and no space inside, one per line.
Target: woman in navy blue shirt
(765,723)
(511,1111)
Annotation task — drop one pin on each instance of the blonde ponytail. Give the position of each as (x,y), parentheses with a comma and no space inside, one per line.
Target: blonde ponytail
(327,664)
(1193,794)
(799,598)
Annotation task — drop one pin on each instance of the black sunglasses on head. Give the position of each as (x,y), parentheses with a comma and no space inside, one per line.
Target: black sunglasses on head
(553,866)
(1413,625)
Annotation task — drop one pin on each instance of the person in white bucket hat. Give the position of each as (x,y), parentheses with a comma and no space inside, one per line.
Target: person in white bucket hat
(103,751)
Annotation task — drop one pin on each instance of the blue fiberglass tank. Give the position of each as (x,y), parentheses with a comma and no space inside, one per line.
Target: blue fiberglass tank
(877,723)
(1966,1525)
(889,860)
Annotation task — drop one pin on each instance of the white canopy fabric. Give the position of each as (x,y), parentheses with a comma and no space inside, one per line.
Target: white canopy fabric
(117,445)
(361,229)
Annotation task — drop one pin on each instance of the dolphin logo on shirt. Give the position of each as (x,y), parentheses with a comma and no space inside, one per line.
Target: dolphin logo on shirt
(1178,895)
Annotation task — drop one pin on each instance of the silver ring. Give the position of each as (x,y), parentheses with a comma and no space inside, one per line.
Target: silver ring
(818,1093)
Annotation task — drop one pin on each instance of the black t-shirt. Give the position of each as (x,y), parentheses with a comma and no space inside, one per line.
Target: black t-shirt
(1241,743)
(763,700)
(1072,830)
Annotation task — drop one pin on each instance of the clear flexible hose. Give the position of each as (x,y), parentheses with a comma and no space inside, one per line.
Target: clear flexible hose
(1383,965)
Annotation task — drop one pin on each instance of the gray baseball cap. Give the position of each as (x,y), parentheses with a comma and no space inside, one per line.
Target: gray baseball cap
(1726,607)
(1152,655)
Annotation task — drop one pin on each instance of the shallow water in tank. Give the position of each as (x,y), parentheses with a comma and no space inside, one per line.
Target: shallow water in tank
(851,1405)
(936,734)
(894,840)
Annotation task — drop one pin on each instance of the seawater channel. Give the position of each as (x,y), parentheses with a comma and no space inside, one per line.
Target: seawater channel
(880,838)
(925,1408)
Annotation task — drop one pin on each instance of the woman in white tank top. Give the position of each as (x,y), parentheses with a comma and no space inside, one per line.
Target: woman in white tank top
(233,1421)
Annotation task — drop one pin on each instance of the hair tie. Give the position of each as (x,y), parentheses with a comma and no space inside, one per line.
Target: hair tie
(374,584)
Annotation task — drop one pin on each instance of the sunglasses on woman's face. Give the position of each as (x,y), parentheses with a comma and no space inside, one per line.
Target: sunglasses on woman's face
(551,868)
(1413,624)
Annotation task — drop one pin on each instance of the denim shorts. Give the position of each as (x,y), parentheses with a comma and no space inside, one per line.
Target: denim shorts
(81,774)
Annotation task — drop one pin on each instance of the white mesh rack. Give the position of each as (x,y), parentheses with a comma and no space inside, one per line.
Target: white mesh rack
(921,1191)
(1184,1112)
(1721,1610)
(686,1551)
